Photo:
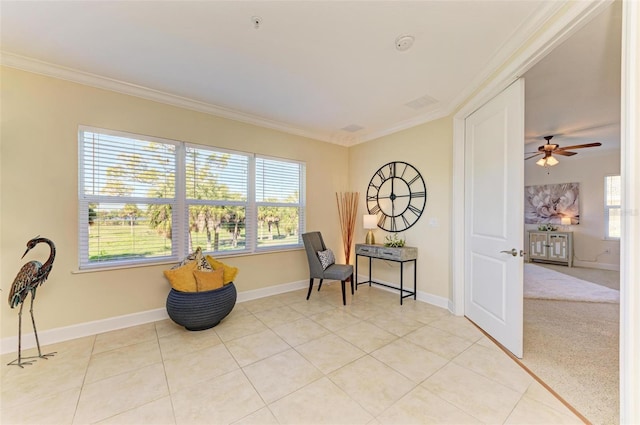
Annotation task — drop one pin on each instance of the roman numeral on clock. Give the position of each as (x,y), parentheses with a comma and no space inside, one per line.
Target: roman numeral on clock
(383,218)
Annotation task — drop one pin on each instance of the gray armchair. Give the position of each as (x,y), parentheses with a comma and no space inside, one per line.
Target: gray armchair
(313,243)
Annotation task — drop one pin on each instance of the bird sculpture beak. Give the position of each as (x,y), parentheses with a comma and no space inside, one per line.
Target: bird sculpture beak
(25,253)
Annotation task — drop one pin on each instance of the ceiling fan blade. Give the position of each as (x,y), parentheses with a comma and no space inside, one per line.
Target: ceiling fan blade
(533,156)
(564,153)
(586,145)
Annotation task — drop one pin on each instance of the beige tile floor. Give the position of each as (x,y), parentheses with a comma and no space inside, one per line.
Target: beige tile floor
(285,360)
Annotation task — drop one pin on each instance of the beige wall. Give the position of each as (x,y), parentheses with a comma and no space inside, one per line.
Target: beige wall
(589,170)
(428,147)
(38,152)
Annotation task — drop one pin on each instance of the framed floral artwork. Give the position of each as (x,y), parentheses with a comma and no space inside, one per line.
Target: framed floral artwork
(549,203)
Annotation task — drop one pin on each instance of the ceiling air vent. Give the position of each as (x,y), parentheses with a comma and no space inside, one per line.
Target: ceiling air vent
(421,102)
(352,128)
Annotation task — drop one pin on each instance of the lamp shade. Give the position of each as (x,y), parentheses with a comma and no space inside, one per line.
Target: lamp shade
(370,221)
(548,161)
(565,221)
(551,161)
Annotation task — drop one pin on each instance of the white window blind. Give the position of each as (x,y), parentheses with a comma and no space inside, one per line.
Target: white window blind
(127,192)
(612,202)
(279,202)
(144,199)
(216,190)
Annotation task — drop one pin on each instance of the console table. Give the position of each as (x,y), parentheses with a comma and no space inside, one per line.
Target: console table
(551,247)
(398,255)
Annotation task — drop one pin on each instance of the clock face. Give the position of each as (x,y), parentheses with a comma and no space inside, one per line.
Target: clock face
(397,195)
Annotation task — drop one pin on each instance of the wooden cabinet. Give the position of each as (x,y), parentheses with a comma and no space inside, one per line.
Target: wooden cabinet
(551,247)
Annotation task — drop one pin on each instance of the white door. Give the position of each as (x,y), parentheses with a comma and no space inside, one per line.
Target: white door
(494,220)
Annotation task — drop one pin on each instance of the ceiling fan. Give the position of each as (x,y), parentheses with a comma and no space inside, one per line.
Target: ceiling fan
(549,149)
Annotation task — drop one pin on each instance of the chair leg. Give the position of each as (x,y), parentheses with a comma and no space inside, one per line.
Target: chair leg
(320,286)
(310,288)
(344,297)
(351,284)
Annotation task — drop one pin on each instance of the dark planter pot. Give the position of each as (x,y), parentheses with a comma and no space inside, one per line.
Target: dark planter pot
(197,311)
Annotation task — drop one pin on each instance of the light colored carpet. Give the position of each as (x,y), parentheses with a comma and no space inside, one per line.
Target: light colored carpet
(608,278)
(573,347)
(547,284)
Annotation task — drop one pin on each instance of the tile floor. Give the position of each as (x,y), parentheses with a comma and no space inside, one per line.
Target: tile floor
(285,360)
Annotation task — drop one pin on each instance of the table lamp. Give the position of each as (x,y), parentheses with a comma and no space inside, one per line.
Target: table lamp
(566,222)
(370,222)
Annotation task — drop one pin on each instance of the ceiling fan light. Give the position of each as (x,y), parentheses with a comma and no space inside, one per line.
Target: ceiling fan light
(551,161)
(542,162)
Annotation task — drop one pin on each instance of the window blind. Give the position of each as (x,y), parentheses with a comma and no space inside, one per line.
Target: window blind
(612,206)
(216,191)
(279,202)
(145,199)
(127,194)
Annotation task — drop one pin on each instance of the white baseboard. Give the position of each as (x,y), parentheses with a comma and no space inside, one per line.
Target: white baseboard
(425,297)
(593,265)
(271,290)
(452,309)
(53,336)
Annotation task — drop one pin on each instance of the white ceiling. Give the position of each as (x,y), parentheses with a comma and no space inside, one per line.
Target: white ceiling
(314,68)
(574,92)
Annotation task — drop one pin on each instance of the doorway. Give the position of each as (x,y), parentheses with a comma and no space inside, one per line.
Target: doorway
(571,340)
(564,25)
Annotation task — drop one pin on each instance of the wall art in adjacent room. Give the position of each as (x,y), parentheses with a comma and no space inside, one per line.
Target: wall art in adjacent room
(550,202)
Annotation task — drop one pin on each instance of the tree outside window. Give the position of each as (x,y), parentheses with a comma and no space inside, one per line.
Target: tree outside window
(143,199)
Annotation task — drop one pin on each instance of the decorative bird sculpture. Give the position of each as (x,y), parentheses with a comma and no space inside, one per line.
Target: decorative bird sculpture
(31,275)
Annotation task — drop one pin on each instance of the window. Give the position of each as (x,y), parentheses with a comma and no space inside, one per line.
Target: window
(612,191)
(277,188)
(144,199)
(216,198)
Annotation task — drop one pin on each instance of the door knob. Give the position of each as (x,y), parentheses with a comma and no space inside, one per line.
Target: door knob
(513,252)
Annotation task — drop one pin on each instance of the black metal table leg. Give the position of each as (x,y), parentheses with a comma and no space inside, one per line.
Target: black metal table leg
(401,280)
(356,275)
(415,278)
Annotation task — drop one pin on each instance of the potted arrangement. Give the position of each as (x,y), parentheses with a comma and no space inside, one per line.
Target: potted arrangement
(393,241)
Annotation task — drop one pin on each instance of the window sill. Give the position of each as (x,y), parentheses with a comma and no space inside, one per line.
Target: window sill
(164,263)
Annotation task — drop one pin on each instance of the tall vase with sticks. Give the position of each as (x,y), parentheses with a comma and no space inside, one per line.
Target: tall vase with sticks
(347,210)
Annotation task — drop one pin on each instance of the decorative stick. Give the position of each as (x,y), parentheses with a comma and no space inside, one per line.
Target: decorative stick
(347,210)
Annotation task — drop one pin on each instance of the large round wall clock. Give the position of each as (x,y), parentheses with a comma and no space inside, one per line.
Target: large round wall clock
(397,195)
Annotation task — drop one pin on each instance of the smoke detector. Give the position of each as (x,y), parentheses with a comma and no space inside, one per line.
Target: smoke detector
(404,42)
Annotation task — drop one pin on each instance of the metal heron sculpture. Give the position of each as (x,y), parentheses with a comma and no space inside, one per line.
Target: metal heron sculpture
(31,275)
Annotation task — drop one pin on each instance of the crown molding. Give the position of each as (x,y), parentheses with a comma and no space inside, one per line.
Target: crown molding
(51,70)
(404,125)
(552,34)
(515,43)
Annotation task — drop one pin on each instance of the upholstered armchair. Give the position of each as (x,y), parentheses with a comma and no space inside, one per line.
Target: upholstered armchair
(322,264)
